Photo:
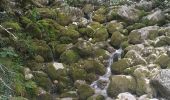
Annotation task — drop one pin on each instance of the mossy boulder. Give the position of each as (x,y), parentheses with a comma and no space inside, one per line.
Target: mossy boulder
(42,80)
(120,84)
(63,18)
(69,35)
(45,13)
(78,73)
(100,34)
(44,96)
(69,57)
(95,25)
(97,97)
(18,98)
(119,66)
(69,94)
(86,32)
(99,18)
(93,66)
(135,57)
(157,17)
(135,26)
(163,60)
(163,41)
(84,91)
(117,38)
(39,59)
(40,47)
(34,65)
(84,48)
(112,14)
(114,26)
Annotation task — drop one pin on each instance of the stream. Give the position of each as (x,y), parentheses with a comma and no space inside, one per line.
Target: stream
(101,89)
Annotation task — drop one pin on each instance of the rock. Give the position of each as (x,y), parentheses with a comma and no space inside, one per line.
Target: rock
(78,74)
(63,18)
(125,96)
(145,5)
(39,59)
(40,3)
(69,57)
(163,41)
(135,26)
(114,26)
(138,36)
(28,74)
(69,36)
(72,94)
(163,60)
(96,97)
(17,98)
(93,66)
(84,48)
(129,13)
(160,83)
(99,18)
(135,57)
(156,17)
(84,91)
(44,96)
(116,39)
(120,84)
(119,66)
(100,34)
(42,80)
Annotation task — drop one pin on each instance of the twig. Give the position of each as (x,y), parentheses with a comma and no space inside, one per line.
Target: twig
(15,38)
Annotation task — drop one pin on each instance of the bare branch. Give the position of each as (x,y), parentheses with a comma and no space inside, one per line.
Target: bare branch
(5,84)
(15,38)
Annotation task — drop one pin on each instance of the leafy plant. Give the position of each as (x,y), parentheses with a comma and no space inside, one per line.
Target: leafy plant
(8,52)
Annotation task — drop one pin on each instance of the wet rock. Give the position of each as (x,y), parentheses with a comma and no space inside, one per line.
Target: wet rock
(163,60)
(116,39)
(129,13)
(119,66)
(138,36)
(160,83)
(125,96)
(84,91)
(120,84)
(156,17)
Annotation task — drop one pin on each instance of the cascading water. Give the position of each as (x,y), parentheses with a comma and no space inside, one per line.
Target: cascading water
(102,90)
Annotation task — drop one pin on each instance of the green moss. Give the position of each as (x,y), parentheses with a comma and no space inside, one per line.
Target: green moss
(14,26)
(163,41)
(63,19)
(163,61)
(101,34)
(119,66)
(86,32)
(25,21)
(78,74)
(135,26)
(39,59)
(99,18)
(31,88)
(95,25)
(85,91)
(46,13)
(114,26)
(69,57)
(93,66)
(116,39)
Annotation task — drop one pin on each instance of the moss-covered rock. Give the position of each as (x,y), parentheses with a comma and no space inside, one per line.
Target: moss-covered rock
(84,91)
(72,94)
(135,26)
(99,18)
(42,80)
(44,96)
(78,73)
(69,35)
(100,34)
(18,98)
(63,19)
(39,59)
(13,26)
(136,58)
(116,39)
(94,66)
(119,66)
(98,97)
(163,41)
(45,13)
(69,57)
(120,84)
(163,60)
(114,26)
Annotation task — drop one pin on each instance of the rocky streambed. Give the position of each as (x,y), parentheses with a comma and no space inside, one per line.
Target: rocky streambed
(87,50)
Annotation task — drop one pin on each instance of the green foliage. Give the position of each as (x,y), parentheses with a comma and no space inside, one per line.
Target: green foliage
(8,52)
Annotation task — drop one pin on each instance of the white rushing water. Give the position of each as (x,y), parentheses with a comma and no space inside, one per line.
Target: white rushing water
(102,90)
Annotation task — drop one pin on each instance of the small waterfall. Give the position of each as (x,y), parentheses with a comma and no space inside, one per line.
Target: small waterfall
(102,90)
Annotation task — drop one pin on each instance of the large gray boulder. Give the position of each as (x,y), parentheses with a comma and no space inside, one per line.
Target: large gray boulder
(161,84)
(129,13)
